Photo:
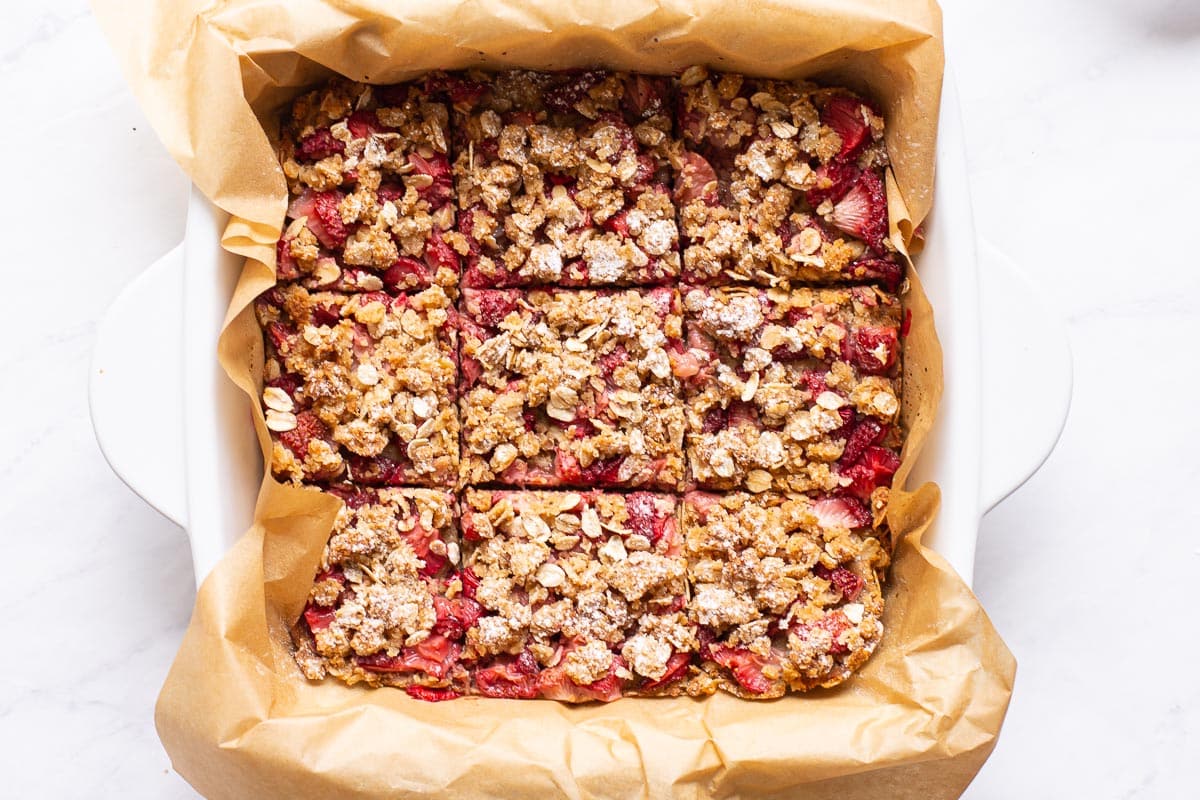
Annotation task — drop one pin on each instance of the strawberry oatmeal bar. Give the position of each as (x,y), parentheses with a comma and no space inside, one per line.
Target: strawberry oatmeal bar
(372,203)
(378,611)
(671,471)
(360,386)
(785,589)
(571,388)
(582,595)
(781,181)
(563,178)
(794,391)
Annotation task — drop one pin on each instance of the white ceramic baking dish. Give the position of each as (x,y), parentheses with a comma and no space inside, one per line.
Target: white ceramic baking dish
(193,456)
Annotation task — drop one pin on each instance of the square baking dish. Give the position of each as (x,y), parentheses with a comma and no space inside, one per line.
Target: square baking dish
(193,454)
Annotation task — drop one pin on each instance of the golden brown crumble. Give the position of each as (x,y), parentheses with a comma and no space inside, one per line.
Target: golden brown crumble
(369,173)
(785,588)
(782,380)
(371,612)
(781,181)
(563,179)
(571,388)
(587,583)
(786,399)
(360,386)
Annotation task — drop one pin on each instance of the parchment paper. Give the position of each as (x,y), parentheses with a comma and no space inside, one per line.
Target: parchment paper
(235,715)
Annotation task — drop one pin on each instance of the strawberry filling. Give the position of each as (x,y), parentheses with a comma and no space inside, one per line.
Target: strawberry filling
(875,468)
(697,181)
(407,273)
(318,618)
(363,123)
(489,306)
(863,211)
(431,694)
(841,512)
(308,427)
(872,349)
(470,583)
(563,97)
(554,684)
(866,433)
(515,679)
(833,181)
(455,616)
(747,667)
(644,518)
(847,117)
(845,581)
(677,667)
(318,145)
(435,656)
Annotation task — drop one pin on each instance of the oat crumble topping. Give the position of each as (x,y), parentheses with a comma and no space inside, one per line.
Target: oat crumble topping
(785,588)
(571,388)
(781,181)
(589,355)
(360,386)
(563,178)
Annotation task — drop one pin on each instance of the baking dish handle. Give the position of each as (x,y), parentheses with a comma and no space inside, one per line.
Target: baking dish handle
(1027,376)
(135,387)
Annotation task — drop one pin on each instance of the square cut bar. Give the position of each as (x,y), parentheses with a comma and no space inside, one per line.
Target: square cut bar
(793,391)
(582,595)
(785,590)
(372,198)
(571,388)
(781,181)
(360,387)
(377,611)
(564,178)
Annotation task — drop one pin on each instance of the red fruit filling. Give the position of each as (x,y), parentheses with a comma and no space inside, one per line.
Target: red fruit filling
(863,211)
(841,512)
(512,679)
(843,579)
(308,427)
(431,694)
(363,123)
(875,468)
(406,273)
(490,306)
(847,117)
(434,656)
(833,181)
(455,616)
(325,219)
(563,97)
(697,181)
(319,144)
(872,349)
(867,432)
(318,618)
(644,518)
(745,666)
(677,667)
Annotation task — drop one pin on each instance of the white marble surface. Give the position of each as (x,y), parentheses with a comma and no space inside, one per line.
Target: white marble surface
(1082,123)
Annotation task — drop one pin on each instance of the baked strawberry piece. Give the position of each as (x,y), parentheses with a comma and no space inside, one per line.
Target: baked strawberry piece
(785,589)
(563,178)
(372,201)
(781,180)
(582,595)
(360,387)
(792,390)
(571,388)
(377,610)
